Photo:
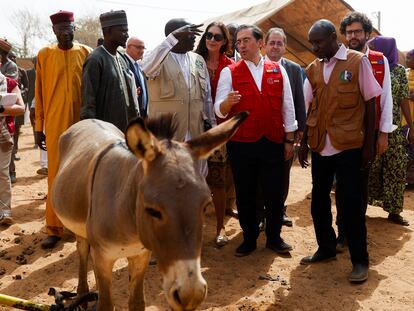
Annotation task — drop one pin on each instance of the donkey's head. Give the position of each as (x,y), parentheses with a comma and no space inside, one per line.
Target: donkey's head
(172,199)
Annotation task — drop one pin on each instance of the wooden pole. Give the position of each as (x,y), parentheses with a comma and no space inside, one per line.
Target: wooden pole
(21,304)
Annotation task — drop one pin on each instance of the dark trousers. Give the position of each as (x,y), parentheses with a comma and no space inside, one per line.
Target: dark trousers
(287,165)
(260,202)
(258,164)
(346,166)
(364,185)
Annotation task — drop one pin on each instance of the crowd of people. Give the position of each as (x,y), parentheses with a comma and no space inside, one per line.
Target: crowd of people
(345,109)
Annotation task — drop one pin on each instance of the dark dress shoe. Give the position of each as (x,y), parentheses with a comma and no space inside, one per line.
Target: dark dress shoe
(13,178)
(359,273)
(232,213)
(245,249)
(317,257)
(398,219)
(286,221)
(281,248)
(262,225)
(50,242)
(341,244)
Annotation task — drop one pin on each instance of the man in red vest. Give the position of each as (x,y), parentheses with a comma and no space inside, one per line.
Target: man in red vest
(357,28)
(263,142)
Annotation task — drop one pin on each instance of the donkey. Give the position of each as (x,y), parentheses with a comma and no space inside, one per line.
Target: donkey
(128,195)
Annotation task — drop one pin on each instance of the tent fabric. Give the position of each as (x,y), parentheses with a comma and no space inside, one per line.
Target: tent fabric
(295,17)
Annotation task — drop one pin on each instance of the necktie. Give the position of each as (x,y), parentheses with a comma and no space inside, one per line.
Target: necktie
(142,83)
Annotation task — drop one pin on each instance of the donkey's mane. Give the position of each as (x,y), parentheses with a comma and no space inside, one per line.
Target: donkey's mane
(163,126)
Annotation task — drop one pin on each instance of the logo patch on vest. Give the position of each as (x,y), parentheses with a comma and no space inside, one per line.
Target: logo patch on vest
(272,81)
(377,62)
(345,76)
(274,70)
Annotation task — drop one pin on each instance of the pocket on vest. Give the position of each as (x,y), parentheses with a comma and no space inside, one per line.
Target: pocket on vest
(348,96)
(346,134)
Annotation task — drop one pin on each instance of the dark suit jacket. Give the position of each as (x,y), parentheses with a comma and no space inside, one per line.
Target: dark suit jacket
(143,111)
(296,83)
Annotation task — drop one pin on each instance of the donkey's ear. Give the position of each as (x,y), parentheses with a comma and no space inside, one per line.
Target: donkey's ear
(141,142)
(203,145)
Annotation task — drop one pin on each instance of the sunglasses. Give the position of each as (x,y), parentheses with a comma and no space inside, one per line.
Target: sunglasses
(217,37)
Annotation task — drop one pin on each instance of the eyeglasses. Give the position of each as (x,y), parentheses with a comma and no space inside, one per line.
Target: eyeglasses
(139,47)
(355,32)
(217,37)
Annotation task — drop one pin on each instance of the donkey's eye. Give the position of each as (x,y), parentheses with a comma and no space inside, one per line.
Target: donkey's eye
(153,213)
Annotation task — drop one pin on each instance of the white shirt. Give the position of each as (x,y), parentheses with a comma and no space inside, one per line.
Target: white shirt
(368,86)
(225,86)
(386,103)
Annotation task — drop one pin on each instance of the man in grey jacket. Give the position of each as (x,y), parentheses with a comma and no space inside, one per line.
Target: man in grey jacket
(275,45)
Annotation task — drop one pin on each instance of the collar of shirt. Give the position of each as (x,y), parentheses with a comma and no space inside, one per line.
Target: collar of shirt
(131,59)
(252,65)
(114,56)
(340,54)
(267,58)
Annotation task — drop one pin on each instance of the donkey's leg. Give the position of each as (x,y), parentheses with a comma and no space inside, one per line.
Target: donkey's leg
(136,267)
(103,275)
(83,247)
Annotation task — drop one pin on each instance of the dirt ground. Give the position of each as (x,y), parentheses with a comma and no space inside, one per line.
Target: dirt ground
(261,281)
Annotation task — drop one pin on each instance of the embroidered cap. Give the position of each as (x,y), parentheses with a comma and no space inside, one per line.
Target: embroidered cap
(62,17)
(113,18)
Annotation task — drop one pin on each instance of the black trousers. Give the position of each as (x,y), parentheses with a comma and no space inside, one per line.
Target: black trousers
(350,203)
(256,164)
(286,182)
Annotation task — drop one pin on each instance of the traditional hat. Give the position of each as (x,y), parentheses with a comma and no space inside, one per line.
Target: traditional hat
(113,18)
(62,17)
(5,46)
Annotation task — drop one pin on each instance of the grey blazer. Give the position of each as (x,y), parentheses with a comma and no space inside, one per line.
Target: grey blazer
(296,83)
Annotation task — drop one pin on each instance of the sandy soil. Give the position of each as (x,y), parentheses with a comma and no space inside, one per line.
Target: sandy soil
(261,281)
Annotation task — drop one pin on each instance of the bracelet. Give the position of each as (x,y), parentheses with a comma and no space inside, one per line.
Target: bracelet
(289,141)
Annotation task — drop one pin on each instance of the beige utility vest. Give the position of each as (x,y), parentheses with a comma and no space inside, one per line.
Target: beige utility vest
(169,93)
(337,107)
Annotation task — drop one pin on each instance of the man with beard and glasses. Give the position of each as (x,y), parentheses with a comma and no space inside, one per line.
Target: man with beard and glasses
(357,28)
(108,86)
(57,101)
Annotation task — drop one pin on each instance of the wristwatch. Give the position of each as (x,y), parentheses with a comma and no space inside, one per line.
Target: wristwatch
(1,108)
(289,141)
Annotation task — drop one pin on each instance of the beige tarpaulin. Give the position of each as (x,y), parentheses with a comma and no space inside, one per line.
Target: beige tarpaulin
(294,16)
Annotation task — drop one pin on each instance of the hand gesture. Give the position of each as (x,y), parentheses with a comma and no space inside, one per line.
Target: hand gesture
(187,31)
(41,140)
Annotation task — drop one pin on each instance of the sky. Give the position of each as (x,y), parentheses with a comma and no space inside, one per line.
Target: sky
(147,18)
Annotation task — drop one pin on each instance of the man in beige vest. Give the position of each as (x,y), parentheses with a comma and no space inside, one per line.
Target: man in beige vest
(178,81)
(341,91)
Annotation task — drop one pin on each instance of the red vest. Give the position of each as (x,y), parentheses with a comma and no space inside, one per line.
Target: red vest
(378,68)
(265,107)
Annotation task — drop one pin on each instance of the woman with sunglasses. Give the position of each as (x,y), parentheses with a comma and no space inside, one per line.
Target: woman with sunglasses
(213,46)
